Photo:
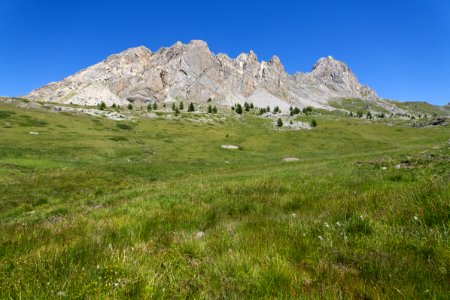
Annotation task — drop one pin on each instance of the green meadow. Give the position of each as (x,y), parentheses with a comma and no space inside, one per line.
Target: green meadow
(92,208)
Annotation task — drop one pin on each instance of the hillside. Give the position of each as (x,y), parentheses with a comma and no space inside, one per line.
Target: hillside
(150,205)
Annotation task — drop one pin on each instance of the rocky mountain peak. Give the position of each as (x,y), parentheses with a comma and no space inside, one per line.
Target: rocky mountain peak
(198,43)
(192,72)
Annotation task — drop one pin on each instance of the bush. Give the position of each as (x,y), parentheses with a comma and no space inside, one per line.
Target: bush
(307,110)
(214,110)
(149,107)
(276,109)
(209,109)
(314,123)
(279,122)
(177,111)
(114,105)
(247,106)
(130,106)
(155,106)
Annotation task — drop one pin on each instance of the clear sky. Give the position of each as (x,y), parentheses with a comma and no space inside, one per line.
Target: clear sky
(399,48)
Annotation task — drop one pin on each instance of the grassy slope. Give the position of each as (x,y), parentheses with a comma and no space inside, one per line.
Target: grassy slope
(355,105)
(90,209)
(422,107)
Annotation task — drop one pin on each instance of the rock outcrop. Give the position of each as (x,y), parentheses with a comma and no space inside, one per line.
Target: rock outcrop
(192,72)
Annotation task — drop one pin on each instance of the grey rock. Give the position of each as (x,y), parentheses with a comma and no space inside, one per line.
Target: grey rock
(192,72)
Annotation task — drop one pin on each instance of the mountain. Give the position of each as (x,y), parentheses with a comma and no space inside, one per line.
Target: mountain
(192,72)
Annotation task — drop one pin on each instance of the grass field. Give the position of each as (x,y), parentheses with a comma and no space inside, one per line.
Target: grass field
(151,208)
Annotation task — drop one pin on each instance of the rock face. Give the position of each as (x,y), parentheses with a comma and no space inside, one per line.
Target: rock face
(192,72)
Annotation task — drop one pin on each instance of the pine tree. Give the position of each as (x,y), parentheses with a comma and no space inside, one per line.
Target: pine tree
(214,110)
(369,115)
(102,105)
(149,107)
(268,109)
(252,106)
(239,109)
(191,107)
(130,106)
(114,105)
(155,106)
(181,105)
(209,109)
(279,122)
(177,111)
(313,123)
(246,106)
(174,107)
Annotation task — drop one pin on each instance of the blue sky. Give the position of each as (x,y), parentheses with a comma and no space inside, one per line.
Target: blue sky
(400,48)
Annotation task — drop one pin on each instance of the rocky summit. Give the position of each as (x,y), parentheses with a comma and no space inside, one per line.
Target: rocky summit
(192,72)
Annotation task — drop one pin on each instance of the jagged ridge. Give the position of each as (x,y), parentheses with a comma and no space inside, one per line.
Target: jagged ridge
(192,72)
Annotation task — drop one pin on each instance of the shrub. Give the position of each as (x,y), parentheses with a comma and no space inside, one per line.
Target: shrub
(209,109)
(307,110)
(177,111)
(130,106)
(314,123)
(114,105)
(149,107)
(214,110)
(279,122)
(155,106)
